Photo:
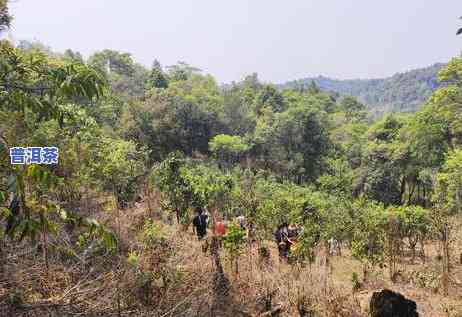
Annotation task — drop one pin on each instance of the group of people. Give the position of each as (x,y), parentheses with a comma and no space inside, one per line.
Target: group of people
(286,235)
(202,219)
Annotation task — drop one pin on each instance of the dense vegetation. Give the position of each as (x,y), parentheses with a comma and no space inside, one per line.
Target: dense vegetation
(402,92)
(385,189)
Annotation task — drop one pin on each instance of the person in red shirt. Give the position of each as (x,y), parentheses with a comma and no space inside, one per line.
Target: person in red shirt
(220,228)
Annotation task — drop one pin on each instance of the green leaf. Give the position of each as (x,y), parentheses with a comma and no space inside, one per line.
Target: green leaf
(12,183)
(62,214)
(5,212)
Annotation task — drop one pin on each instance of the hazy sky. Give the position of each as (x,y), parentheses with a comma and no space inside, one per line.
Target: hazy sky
(280,40)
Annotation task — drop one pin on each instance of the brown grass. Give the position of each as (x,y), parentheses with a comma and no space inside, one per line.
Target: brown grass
(185,281)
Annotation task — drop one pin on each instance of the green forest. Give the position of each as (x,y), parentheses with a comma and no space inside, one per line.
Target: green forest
(371,177)
(402,92)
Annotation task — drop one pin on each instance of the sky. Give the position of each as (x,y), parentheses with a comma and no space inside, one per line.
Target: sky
(279,40)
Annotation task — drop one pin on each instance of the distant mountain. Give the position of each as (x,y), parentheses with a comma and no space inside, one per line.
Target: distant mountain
(402,92)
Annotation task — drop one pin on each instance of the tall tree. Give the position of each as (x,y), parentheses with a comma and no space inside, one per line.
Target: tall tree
(181,71)
(5,17)
(127,78)
(238,116)
(113,61)
(313,88)
(36,91)
(73,56)
(352,108)
(157,77)
(381,169)
(271,98)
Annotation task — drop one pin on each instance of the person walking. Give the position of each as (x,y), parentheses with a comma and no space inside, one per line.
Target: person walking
(241,220)
(282,239)
(200,223)
(220,228)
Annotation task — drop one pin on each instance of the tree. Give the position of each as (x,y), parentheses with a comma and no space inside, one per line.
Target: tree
(233,242)
(302,135)
(446,101)
(252,82)
(126,77)
(168,178)
(109,61)
(447,205)
(210,188)
(313,89)
(353,108)
(368,241)
(382,178)
(227,148)
(38,92)
(292,143)
(181,71)
(414,225)
(338,179)
(183,117)
(119,167)
(5,17)
(30,81)
(238,117)
(263,151)
(157,78)
(72,56)
(269,97)
(37,47)
(427,132)
(432,132)
(33,215)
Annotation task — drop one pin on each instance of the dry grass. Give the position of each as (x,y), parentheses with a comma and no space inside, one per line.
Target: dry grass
(185,281)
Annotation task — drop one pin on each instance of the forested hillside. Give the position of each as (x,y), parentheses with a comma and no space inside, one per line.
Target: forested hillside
(402,92)
(175,196)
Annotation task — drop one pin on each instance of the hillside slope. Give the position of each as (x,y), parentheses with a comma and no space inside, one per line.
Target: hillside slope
(402,92)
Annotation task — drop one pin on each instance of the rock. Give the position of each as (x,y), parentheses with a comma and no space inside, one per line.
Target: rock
(387,303)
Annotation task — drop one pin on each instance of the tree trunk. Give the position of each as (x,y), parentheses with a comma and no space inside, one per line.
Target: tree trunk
(147,193)
(391,259)
(118,299)
(412,246)
(45,251)
(419,200)
(424,197)
(446,259)
(3,257)
(403,189)
(411,193)
(365,272)
(422,250)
